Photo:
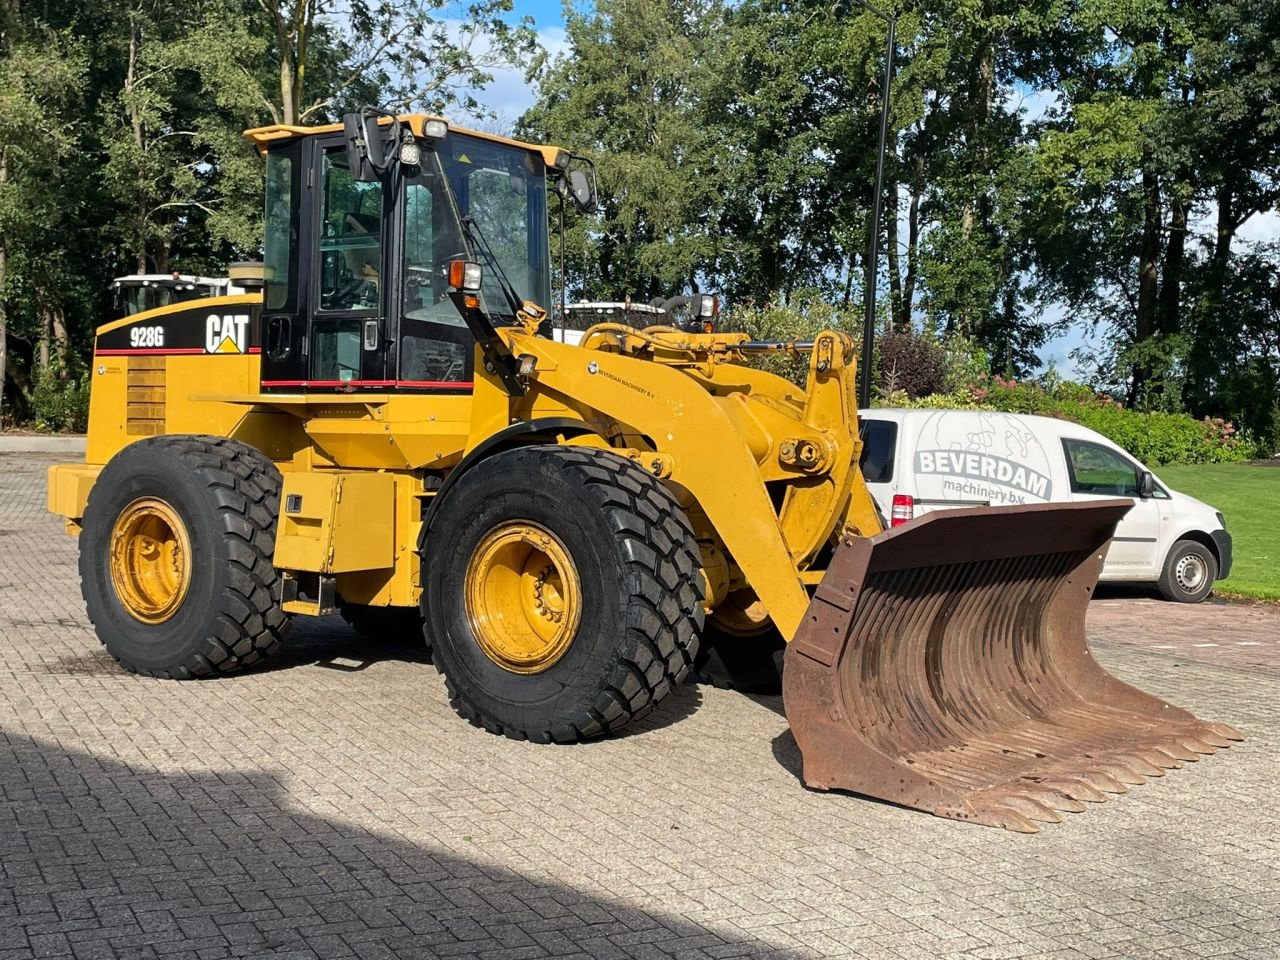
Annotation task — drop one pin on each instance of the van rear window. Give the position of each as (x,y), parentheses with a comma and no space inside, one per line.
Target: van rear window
(879,440)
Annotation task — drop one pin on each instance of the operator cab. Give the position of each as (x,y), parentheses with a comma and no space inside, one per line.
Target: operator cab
(140,292)
(357,254)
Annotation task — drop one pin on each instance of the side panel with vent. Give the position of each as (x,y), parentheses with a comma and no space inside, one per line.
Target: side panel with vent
(145,396)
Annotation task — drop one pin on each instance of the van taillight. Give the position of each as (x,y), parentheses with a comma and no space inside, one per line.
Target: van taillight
(904,509)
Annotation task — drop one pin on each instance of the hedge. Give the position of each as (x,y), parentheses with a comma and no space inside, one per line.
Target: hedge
(1153,438)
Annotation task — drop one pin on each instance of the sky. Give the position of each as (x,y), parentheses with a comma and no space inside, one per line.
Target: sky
(509,96)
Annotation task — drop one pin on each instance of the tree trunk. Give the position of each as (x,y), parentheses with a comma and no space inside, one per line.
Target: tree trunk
(913,235)
(1226,228)
(1169,320)
(894,319)
(1144,323)
(58,321)
(46,332)
(135,125)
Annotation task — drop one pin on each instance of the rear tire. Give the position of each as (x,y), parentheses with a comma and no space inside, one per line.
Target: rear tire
(222,498)
(1189,572)
(626,573)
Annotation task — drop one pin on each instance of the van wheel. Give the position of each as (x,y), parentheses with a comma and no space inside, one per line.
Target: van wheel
(1189,572)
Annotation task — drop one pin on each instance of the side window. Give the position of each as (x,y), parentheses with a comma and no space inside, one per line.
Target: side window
(1098,469)
(336,350)
(350,238)
(435,343)
(278,250)
(879,441)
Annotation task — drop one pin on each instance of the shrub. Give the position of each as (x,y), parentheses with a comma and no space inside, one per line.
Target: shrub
(1154,438)
(61,404)
(910,362)
(798,318)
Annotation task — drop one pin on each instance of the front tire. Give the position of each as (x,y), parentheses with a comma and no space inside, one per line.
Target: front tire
(175,557)
(1189,572)
(562,593)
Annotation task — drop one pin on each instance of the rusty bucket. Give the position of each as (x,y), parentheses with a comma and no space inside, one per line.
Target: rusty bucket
(943,665)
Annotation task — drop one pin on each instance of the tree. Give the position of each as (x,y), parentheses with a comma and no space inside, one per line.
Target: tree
(409,51)
(41,82)
(628,95)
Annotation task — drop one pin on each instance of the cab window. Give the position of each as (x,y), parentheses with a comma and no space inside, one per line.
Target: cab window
(435,343)
(350,238)
(1101,470)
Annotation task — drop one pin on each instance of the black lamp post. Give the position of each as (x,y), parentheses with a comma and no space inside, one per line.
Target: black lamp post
(873,241)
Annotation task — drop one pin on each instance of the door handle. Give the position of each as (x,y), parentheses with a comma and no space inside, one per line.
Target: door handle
(371,338)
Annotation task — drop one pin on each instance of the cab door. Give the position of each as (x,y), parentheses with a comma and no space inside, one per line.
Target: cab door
(283,333)
(1098,472)
(347,348)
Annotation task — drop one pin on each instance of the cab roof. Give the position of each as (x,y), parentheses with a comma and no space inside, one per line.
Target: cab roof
(263,137)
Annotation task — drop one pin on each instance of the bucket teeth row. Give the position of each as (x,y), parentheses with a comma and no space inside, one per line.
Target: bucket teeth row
(943,666)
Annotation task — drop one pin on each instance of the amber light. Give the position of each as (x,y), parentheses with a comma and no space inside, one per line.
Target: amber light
(465,275)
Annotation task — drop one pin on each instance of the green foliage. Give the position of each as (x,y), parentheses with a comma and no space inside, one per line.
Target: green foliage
(801,317)
(60,404)
(964,362)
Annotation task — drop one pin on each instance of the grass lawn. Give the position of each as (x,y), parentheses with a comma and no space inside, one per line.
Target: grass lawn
(1249,497)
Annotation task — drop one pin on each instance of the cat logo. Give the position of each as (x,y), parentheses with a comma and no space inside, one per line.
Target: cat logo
(226,333)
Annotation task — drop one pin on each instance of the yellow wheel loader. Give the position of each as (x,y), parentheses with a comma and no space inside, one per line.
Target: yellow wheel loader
(388,429)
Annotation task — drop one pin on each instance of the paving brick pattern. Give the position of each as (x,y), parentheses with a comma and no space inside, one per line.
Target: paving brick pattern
(334,806)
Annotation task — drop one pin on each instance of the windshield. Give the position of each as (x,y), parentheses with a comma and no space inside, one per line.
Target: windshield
(503,190)
(138,296)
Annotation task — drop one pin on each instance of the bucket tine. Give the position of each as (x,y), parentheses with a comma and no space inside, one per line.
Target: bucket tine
(943,666)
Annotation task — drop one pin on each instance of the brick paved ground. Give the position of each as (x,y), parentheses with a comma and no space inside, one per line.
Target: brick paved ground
(335,807)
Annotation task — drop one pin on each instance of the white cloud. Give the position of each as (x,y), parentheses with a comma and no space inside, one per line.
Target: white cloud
(509,95)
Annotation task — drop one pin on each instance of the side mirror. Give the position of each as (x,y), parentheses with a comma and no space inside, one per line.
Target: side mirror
(1146,485)
(363,137)
(580,188)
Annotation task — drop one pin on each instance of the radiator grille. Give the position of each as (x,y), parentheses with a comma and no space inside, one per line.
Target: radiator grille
(144,394)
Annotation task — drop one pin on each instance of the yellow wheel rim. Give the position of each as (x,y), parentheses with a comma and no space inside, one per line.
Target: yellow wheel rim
(742,615)
(523,597)
(150,560)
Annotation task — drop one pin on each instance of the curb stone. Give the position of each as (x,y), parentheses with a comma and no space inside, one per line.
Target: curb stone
(22,443)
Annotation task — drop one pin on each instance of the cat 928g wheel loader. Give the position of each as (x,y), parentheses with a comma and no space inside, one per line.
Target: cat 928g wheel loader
(387,426)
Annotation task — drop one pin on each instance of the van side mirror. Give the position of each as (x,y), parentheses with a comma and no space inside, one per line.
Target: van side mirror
(1146,485)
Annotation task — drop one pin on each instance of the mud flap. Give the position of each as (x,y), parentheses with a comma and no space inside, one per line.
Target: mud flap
(943,665)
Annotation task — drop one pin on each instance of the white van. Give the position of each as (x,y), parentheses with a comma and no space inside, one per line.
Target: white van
(915,461)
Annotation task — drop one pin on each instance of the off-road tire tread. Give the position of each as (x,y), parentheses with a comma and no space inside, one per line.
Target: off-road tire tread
(665,613)
(251,624)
